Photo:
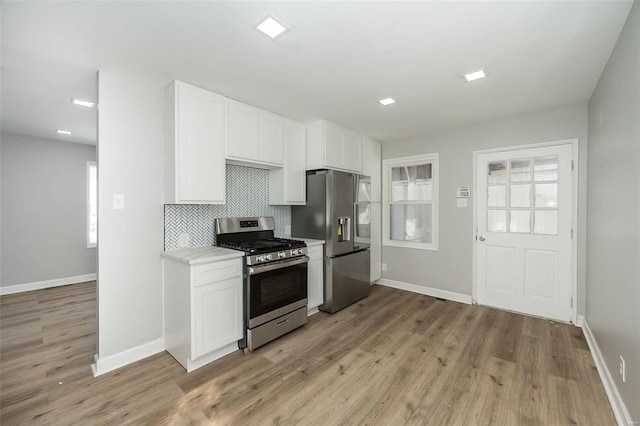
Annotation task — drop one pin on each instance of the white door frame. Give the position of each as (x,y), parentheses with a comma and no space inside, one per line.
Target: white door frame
(574,214)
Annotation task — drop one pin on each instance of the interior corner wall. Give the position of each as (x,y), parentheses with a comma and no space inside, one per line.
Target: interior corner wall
(451,267)
(613,285)
(44,217)
(131,163)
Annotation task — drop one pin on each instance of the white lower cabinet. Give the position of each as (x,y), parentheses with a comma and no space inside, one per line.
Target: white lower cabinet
(315,277)
(203,310)
(216,316)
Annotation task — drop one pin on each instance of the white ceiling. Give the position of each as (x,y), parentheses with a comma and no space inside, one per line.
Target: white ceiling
(338,59)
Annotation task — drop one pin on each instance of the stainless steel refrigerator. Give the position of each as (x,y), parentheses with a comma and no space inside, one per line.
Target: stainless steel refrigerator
(338,211)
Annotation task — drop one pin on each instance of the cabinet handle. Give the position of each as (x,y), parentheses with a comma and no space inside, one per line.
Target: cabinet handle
(282,322)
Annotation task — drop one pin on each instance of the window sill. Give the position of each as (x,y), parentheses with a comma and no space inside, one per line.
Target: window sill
(408,245)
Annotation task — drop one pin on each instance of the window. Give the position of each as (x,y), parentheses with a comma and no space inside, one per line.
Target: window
(522,195)
(92,204)
(411,202)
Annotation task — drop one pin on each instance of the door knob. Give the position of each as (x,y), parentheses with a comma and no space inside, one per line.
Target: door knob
(481,238)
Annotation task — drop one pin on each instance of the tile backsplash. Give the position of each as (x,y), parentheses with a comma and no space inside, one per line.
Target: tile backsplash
(247,196)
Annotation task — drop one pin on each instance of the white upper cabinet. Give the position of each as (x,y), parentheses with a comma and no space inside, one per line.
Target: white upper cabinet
(271,138)
(287,185)
(243,134)
(254,136)
(372,167)
(352,150)
(194,145)
(334,147)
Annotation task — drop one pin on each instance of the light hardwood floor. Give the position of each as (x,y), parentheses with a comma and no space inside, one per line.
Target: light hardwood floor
(394,358)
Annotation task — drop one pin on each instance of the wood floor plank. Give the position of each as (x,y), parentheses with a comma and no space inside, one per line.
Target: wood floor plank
(393,358)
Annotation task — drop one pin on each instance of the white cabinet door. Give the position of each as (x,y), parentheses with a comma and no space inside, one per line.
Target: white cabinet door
(195,168)
(375,248)
(243,133)
(352,151)
(372,167)
(287,185)
(217,315)
(271,138)
(254,136)
(315,277)
(333,145)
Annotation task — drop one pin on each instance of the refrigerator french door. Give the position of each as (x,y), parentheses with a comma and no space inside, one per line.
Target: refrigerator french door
(335,205)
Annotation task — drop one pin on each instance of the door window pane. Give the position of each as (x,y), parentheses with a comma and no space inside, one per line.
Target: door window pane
(411,222)
(546,168)
(546,222)
(520,221)
(520,195)
(497,172)
(521,170)
(497,220)
(547,195)
(497,196)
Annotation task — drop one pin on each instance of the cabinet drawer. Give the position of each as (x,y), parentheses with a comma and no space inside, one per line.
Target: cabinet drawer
(218,271)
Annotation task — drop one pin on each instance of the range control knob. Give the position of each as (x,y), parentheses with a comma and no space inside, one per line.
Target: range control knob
(267,257)
(282,255)
(260,258)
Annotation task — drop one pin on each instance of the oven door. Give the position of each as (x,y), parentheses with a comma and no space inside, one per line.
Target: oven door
(275,289)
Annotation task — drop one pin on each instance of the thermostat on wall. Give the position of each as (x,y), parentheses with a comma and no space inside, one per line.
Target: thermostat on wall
(463,192)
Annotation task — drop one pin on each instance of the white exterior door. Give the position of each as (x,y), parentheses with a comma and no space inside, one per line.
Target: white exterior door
(523,240)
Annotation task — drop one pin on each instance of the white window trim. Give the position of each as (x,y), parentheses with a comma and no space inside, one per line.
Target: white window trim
(413,160)
(88,218)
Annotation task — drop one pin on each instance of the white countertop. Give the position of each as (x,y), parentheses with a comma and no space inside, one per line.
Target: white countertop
(195,255)
(309,241)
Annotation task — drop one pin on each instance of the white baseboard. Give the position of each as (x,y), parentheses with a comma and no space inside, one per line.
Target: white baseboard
(19,288)
(623,417)
(429,291)
(579,320)
(112,362)
(211,356)
(312,311)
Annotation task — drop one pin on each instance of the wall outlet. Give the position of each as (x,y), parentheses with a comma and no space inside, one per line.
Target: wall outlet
(287,230)
(384,267)
(183,240)
(623,369)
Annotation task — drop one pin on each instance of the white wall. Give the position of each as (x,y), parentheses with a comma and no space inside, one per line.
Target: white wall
(130,155)
(450,268)
(613,285)
(44,196)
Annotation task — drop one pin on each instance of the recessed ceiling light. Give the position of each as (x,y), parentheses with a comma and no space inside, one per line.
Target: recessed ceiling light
(83,103)
(63,132)
(475,75)
(387,101)
(271,26)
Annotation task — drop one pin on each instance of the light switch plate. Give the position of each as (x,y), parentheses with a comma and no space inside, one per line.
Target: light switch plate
(118,201)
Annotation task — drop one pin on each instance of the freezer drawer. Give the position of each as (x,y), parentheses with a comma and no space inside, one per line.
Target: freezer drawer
(346,280)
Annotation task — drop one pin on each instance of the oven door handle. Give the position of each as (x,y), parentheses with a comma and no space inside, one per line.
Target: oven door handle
(277,265)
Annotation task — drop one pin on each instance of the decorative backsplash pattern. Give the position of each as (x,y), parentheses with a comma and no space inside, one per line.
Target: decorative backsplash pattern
(247,196)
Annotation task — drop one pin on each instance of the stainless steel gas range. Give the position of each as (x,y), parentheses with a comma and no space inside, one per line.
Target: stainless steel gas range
(275,277)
